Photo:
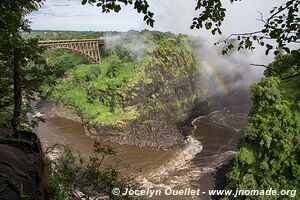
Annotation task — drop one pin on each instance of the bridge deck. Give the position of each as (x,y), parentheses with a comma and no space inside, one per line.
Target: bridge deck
(100,40)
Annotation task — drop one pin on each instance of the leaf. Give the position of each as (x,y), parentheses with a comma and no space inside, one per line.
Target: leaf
(269,47)
(84,2)
(230,46)
(117,8)
(146,17)
(248,43)
(151,14)
(214,31)
(151,23)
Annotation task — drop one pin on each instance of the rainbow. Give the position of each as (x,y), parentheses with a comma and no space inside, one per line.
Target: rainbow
(213,75)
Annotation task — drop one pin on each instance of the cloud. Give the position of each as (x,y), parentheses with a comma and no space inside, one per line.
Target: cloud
(170,15)
(135,43)
(226,73)
(71,15)
(61,5)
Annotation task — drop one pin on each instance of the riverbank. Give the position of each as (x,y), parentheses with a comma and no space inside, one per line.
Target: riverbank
(167,137)
(163,134)
(212,143)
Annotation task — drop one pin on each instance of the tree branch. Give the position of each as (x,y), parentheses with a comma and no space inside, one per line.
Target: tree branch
(291,76)
(261,17)
(267,67)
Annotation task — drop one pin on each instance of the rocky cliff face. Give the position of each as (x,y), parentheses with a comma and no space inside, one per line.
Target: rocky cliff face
(22,172)
(161,103)
(142,108)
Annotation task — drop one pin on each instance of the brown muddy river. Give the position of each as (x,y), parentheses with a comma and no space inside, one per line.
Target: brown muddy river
(211,142)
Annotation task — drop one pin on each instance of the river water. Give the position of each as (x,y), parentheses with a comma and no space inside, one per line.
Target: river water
(212,141)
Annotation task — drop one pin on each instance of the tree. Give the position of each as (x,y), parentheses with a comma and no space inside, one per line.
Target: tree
(15,54)
(285,66)
(282,25)
(269,149)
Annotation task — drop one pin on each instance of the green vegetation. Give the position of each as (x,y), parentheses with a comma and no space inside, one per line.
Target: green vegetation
(269,149)
(18,76)
(58,63)
(112,92)
(130,84)
(124,88)
(63,35)
(95,91)
(75,177)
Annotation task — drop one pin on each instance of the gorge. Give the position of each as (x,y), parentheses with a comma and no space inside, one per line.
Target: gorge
(169,115)
(208,110)
(167,119)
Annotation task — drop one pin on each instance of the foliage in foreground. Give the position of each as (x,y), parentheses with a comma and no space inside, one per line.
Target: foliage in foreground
(18,78)
(72,176)
(281,25)
(269,150)
(58,63)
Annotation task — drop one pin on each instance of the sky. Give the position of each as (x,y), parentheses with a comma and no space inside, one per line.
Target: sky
(170,15)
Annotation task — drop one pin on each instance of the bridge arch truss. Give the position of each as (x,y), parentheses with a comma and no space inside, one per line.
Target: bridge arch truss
(90,48)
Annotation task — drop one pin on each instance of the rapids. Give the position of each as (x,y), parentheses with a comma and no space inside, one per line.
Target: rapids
(211,142)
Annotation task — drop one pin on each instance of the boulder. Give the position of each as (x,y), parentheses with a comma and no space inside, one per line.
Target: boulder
(22,174)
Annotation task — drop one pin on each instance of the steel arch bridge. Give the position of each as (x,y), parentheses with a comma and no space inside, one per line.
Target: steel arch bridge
(88,47)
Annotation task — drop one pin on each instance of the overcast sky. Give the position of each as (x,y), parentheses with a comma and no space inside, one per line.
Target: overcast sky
(170,15)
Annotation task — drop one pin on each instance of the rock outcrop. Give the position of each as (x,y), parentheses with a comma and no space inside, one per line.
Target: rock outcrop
(22,171)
